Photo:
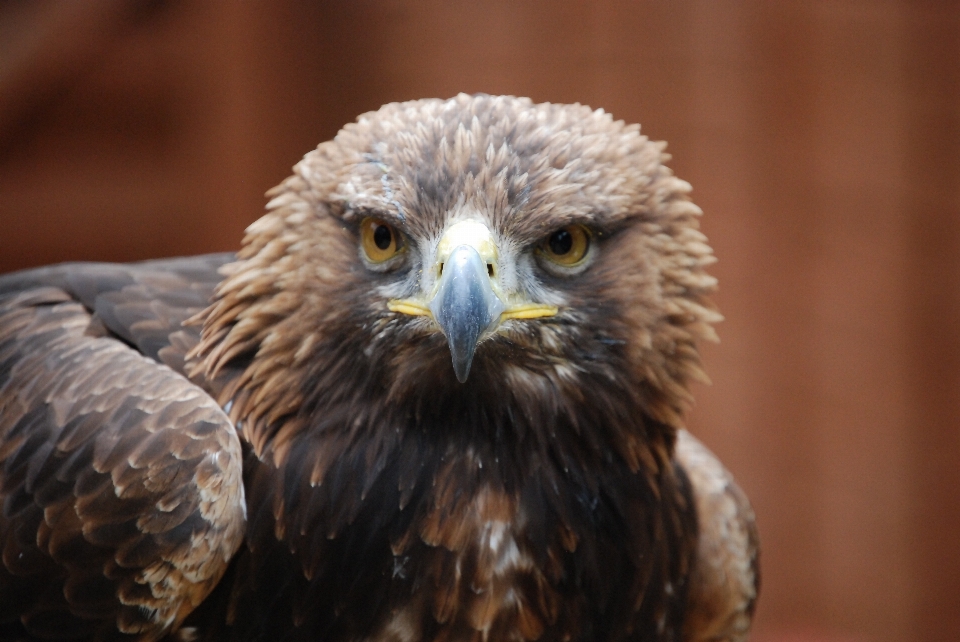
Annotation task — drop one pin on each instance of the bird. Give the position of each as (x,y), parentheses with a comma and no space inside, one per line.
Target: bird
(438,394)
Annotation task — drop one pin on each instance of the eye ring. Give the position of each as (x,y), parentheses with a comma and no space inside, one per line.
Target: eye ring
(379,240)
(567,246)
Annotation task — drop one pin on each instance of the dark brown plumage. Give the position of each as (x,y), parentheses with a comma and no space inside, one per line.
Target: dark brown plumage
(535,489)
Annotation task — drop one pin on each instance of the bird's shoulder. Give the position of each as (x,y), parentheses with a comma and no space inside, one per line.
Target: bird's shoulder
(121,497)
(142,304)
(725,579)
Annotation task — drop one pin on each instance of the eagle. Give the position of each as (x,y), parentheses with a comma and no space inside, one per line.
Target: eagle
(437,395)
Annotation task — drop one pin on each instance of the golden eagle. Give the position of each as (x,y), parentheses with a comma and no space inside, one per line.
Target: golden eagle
(436,396)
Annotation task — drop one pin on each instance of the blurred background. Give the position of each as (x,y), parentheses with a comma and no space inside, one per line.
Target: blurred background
(822,140)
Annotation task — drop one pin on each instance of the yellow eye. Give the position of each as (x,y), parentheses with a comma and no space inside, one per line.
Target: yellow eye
(567,246)
(379,240)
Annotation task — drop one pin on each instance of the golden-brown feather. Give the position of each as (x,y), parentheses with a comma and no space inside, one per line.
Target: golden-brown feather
(128,475)
(725,583)
(549,498)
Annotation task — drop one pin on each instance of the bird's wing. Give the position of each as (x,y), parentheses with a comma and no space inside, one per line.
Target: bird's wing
(142,304)
(121,497)
(726,576)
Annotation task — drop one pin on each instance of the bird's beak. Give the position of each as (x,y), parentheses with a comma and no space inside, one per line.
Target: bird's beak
(465,305)
(466,302)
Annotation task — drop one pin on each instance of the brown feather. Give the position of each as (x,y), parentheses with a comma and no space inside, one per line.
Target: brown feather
(725,583)
(542,500)
(119,466)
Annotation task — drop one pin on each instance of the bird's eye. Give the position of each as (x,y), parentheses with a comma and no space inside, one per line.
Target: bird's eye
(567,246)
(379,240)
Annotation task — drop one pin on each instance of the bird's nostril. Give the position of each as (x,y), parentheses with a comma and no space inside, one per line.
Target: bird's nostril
(440,273)
(490,269)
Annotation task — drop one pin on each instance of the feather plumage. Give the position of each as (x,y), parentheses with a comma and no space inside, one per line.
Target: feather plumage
(121,486)
(548,497)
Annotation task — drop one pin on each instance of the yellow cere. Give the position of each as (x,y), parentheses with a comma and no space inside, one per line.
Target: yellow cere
(524,311)
(406,306)
(469,232)
(529,311)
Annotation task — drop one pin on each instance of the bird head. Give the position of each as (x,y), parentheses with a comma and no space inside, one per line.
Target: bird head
(439,247)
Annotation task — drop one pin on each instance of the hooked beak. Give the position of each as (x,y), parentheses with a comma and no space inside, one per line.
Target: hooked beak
(465,306)
(466,302)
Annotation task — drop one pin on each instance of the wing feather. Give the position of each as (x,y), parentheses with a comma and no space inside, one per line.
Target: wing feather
(121,496)
(725,580)
(143,304)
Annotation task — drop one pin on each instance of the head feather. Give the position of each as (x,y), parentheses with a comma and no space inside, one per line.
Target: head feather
(298,294)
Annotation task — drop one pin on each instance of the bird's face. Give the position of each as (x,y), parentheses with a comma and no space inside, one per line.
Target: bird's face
(471,282)
(464,290)
(482,241)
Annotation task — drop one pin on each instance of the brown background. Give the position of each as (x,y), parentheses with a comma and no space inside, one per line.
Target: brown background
(823,142)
